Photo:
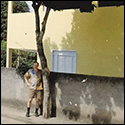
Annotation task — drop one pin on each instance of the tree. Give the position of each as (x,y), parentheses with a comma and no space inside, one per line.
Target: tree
(23,61)
(39,39)
(18,6)
(3,53)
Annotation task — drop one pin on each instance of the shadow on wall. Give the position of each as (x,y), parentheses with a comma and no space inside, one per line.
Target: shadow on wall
(102,117)
(49,45)
(88,98)
(91,36)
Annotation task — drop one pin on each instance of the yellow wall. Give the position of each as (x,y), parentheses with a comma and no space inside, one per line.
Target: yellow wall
(97,37)
(21,31)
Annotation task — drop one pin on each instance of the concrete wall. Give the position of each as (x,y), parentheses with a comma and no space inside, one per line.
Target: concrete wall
(12,86)
(88,98)
(77,97)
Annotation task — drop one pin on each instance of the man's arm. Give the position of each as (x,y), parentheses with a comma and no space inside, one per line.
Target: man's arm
(26,77)
(46,70)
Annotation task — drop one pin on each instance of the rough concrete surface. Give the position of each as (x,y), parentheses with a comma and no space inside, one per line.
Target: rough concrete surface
(14,114)
(75,98)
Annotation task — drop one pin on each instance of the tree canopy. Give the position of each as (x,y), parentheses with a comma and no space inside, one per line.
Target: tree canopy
(18,6)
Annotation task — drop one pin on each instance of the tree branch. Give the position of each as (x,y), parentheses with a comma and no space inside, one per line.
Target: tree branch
(40,34)
(44,23)
(40,41)
(36,7)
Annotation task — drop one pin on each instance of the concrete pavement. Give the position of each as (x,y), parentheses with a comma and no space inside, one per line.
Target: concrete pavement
(12,115)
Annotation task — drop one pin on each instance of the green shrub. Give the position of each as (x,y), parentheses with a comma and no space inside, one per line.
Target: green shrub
(3,53)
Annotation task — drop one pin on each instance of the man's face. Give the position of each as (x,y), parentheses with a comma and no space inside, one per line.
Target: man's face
(35,66)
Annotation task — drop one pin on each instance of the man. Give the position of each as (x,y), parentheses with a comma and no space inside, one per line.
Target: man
(33,79)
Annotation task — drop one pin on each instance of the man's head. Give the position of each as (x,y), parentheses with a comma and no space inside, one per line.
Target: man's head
(35,66)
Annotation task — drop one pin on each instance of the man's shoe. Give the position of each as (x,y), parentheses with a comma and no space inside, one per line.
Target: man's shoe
(41,112)
(36,114)
(27,115)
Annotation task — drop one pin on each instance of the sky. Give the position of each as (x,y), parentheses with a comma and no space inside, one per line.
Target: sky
(30,5)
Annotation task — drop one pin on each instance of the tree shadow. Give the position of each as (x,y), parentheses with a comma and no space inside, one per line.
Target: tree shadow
(97,38)
(49,46)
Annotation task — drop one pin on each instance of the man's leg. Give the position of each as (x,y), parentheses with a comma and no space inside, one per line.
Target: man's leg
(29,103)
(29,107)
(41,103)
(31,96)
(41,108)
(38,103)
(37,107)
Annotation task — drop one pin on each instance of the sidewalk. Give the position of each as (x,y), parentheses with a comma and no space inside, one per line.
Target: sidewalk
(11,115)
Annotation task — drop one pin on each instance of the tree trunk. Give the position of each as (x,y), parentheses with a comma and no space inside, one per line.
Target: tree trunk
(43,60)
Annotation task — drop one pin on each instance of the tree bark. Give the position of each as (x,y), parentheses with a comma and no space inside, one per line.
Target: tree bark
(43,60)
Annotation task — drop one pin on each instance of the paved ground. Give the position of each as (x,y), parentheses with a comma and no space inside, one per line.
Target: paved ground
(12,115)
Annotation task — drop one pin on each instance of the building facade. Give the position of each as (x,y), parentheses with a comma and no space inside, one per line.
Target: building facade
(74,42)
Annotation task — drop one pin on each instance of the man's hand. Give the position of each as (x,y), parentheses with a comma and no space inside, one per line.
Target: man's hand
(28,84)
(46,70)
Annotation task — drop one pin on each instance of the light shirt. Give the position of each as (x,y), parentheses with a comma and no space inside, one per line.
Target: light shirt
(35,78)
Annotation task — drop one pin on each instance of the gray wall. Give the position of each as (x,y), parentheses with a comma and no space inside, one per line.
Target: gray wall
(12,86)
(83,98)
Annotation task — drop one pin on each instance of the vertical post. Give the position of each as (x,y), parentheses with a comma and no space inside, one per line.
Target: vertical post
(10,58)
(9,52)
(18,59)
(10,7)
(7,58)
